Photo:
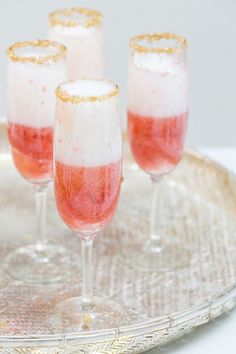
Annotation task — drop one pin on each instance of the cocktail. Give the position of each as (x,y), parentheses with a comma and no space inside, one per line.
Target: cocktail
(88,174)
(157,121)
(35,69)
(80,30)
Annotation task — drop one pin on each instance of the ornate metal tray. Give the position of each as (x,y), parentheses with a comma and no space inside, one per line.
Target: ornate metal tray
(201,204)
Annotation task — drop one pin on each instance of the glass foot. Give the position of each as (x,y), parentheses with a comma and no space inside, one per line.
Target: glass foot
(149,258)
(43,265)
(103,313)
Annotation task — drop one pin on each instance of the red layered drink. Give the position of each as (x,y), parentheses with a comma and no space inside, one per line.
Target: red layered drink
(35,69)
(87,176)
(31,83)
(88,158)
(157,111)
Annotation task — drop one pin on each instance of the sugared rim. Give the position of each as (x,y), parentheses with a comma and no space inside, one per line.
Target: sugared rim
(66,97)
(60,54)
(56,17)
(155,37)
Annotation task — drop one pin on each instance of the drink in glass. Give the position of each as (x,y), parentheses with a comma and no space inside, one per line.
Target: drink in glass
(80,30)
(88,174)
(157,121)
(35,69)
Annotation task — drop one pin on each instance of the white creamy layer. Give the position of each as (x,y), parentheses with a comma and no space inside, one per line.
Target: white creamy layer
(85,51)
(31,92)
(88,134)
(157,85)
(32,51)
(73,31)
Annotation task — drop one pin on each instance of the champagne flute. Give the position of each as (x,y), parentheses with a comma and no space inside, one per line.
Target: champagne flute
(157,121)
(35,69)
(88,174)
(80,30)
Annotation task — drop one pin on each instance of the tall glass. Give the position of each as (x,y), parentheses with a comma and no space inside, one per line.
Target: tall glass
(80,30)
(88,174)
(157,121)
(35,69)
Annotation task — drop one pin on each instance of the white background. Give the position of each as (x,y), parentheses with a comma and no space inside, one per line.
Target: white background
(209,25)
(217,337)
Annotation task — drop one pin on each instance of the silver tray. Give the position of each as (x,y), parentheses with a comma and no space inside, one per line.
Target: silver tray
(201,196)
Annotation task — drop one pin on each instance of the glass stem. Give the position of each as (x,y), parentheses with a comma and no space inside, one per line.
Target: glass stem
(40,202)
(87,269)
(155,240)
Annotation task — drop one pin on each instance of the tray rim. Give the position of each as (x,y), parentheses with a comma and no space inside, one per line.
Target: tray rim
(156,324)
(113,334)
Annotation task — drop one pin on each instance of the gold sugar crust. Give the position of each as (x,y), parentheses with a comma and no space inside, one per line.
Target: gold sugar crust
(67,98)
(94,17)
(154,37)
(36,59)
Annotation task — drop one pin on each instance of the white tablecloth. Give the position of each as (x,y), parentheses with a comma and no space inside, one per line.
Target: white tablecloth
(219,336)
